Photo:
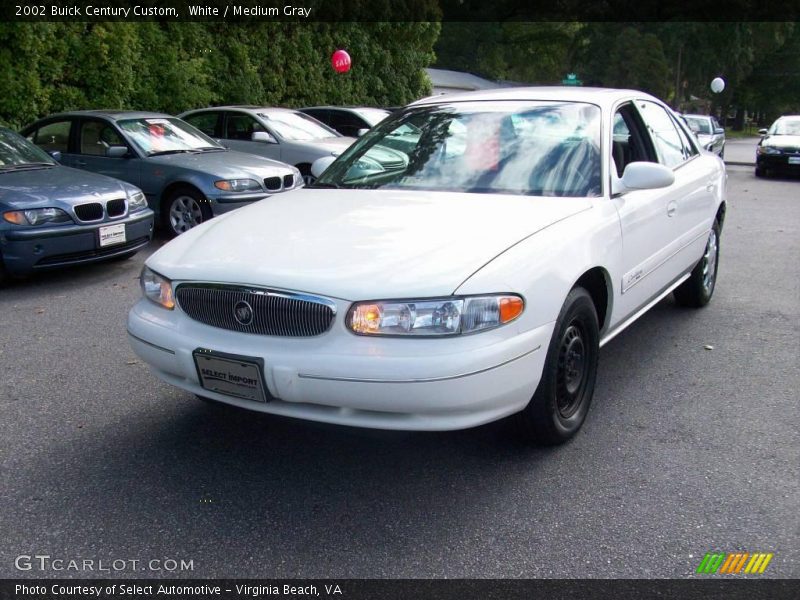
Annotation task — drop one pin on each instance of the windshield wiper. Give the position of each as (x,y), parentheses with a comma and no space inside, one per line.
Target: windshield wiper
(33,165)
(163,152)
(211,149)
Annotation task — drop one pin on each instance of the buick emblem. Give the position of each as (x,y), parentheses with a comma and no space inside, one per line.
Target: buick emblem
(243,313)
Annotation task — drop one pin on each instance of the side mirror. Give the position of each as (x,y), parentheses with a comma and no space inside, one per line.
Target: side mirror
(643,176)
(55,155)
(117,151)
(264,137)
(318,166)
(362,131)
(762,132)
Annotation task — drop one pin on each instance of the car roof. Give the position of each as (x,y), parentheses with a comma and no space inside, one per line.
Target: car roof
(349,108)
(247,108)
(604,97)
(114,115)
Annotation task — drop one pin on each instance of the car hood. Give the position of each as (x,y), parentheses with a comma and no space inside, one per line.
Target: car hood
(227,164)
(331,144)
(781,141)
(360,244)
(30,188)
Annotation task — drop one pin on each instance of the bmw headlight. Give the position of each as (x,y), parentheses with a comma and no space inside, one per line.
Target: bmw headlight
(768,150)
(136,201)
(426,318)
(238,185)
(156,288)
(37,216)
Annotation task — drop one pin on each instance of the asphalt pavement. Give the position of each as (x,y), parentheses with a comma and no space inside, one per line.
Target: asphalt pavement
(691,446)
(741,151)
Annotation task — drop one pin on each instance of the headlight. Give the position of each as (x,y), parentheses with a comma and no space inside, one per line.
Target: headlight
(37,216)
(157,288)
(136,201)
(237,185)
(768,150)
(446,316)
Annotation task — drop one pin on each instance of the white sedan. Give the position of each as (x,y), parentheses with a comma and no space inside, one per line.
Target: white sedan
(475,279)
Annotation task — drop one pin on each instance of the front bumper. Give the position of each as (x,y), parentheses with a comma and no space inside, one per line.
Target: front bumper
(778,162)
(31,249)
(337,377)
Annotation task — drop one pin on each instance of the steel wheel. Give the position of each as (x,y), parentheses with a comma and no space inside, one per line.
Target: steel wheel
(573,368)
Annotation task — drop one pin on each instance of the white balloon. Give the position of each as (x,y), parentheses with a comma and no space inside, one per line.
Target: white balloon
(717,85)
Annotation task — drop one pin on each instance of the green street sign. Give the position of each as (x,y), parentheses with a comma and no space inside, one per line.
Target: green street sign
(572,79)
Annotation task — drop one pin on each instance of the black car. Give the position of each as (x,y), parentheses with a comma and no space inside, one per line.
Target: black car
(352,121)
(51,215)
(779,148)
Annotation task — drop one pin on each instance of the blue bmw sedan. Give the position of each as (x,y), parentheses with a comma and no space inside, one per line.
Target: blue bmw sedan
(52,216)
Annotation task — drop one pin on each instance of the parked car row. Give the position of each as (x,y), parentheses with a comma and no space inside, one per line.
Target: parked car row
(85,186)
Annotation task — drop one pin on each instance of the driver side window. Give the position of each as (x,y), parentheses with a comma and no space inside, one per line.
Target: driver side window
(96,137)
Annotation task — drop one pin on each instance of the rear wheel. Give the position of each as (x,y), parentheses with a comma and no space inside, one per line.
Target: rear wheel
(3,273)
(560,404)
(185,208)
(698,289)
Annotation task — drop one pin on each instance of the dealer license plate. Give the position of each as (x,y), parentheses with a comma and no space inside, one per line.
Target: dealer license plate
(112,234)
(794,160)
(231,375)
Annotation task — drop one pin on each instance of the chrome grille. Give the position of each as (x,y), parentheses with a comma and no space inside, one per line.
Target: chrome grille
(92,211)
(273,313)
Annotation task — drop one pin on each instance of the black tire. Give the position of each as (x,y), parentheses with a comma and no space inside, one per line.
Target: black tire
(183,209)
(697,291)
(761,172)
(305,173)
(561,401)
(3,274)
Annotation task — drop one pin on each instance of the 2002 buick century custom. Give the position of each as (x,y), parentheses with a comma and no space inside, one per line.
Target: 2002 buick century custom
(476,278)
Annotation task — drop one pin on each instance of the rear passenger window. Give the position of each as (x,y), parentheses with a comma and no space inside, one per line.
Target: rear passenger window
(665,136)
(205,122)
(53,137)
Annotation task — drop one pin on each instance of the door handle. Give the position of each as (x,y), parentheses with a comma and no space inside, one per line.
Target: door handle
(671,208)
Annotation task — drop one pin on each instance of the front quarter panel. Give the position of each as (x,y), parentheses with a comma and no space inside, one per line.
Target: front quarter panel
(544,267)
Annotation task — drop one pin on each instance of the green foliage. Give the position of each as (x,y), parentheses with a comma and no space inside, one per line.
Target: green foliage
(172,67)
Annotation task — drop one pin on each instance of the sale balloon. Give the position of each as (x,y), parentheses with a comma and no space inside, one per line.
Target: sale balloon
(717,85)
(341,61)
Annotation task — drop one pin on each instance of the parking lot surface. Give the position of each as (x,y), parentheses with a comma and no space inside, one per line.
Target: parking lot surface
(691,446)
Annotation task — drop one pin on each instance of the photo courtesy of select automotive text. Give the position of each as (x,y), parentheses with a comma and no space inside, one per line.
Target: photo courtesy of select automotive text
(383,300)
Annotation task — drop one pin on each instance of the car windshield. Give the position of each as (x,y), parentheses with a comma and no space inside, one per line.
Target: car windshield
(785,127)
(16,151)
(166,135)
(296,126)
(699,124)
(373,116)
(507,147)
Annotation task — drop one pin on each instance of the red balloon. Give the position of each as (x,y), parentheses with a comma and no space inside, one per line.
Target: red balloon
(341,61)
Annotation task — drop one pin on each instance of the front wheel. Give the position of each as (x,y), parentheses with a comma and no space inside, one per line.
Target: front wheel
(561,401)
(698,289)
(185,208)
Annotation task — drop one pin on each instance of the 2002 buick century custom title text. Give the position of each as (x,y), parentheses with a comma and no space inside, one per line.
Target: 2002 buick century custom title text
(475,278)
